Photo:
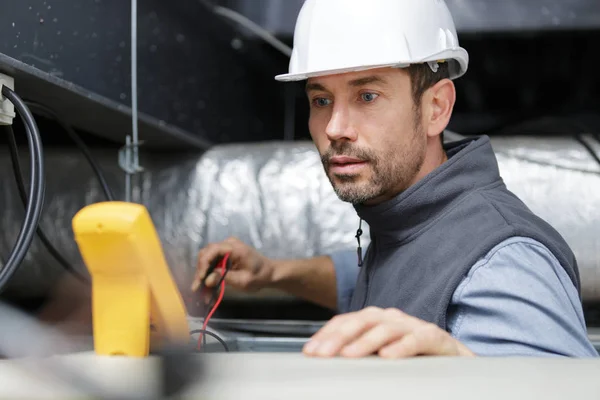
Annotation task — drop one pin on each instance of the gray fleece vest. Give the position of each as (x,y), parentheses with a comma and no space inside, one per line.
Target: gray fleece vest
(424,241)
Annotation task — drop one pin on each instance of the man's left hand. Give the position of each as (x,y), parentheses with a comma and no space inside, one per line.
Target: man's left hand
(390,333)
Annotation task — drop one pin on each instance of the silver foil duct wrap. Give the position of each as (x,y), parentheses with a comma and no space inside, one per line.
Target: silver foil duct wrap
(276,197)
(560,181)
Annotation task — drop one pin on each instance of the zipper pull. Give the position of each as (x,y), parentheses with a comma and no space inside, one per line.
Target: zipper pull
(359,248)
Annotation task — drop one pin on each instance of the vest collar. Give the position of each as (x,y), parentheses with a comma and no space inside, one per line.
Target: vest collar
(471,165)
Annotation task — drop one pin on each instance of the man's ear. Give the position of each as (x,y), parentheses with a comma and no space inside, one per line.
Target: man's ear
(439,102)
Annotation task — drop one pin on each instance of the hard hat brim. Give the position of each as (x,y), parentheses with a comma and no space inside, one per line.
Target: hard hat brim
(459,55)
(313,74)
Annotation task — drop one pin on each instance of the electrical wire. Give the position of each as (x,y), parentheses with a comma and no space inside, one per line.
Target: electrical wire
(583,129)
(223,265)
(221,284)
(16,164)
(35,200)
(579,137)
(588,147)
(212,310)
(106,189)
(212,334)
(108,193)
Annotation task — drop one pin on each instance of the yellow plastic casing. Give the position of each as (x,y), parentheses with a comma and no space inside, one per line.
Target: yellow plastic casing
(132,285)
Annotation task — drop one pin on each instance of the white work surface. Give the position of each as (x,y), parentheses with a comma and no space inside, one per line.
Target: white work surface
(291,376)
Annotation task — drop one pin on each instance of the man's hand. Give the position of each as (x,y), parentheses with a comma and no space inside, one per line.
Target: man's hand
(389,333)
(250,270)
(312,278)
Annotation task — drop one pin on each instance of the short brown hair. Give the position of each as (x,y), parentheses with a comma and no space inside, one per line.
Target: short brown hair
(422,78)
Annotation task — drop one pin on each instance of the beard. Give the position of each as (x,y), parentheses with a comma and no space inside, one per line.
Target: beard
(391,171)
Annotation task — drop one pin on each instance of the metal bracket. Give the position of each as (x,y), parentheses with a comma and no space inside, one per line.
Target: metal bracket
(434,65)
(128,161)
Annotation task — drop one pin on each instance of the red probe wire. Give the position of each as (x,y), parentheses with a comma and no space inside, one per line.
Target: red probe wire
(222,267)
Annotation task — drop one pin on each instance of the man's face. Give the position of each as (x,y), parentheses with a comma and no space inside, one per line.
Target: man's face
(368,133)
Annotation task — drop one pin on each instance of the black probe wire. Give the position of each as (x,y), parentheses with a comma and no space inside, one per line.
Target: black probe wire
(214,295)
(205,332)
(35,200)
(18,172)
(108,193)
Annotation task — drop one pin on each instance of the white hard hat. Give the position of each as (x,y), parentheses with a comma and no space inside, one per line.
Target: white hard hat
(337,36)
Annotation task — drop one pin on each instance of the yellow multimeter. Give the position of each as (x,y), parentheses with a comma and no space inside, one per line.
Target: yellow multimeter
(132,285)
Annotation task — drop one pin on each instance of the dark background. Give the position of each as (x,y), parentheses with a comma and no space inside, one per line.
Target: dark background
(203,79)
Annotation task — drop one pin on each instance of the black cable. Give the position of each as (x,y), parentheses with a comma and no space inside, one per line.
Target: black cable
(211,267)
(108,193)
(16,164)
(204,332)
(589,148)
(218,287)
(35,199)
(579,137)
(597,139)
(217,291)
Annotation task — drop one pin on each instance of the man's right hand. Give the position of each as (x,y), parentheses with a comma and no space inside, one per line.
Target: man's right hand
(249,271)
(310,278)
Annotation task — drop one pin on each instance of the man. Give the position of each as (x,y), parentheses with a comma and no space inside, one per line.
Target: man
(457,264)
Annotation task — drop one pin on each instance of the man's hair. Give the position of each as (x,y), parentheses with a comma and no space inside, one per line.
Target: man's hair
(422,78)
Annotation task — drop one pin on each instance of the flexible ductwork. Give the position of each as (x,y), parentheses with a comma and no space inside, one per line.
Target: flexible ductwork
(276,197)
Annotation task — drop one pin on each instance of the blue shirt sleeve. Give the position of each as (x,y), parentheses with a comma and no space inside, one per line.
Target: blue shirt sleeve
(346,267)
(519,301)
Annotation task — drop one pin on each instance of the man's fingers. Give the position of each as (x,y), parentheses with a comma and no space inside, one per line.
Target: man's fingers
(213,279)
(205,257)
(428,340)
(392,325)
(336,334)
(232,240)
(346,323)
(374,339)
(340,331)
(239,279)
(331,326)
(390,332)
(408,346)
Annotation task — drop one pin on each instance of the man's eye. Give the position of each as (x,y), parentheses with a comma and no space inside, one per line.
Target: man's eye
(368,97)
(321,102)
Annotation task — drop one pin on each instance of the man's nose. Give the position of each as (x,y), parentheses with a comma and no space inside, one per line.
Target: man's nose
(340,126)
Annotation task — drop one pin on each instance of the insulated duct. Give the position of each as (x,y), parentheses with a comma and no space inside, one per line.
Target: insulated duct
(275,196)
